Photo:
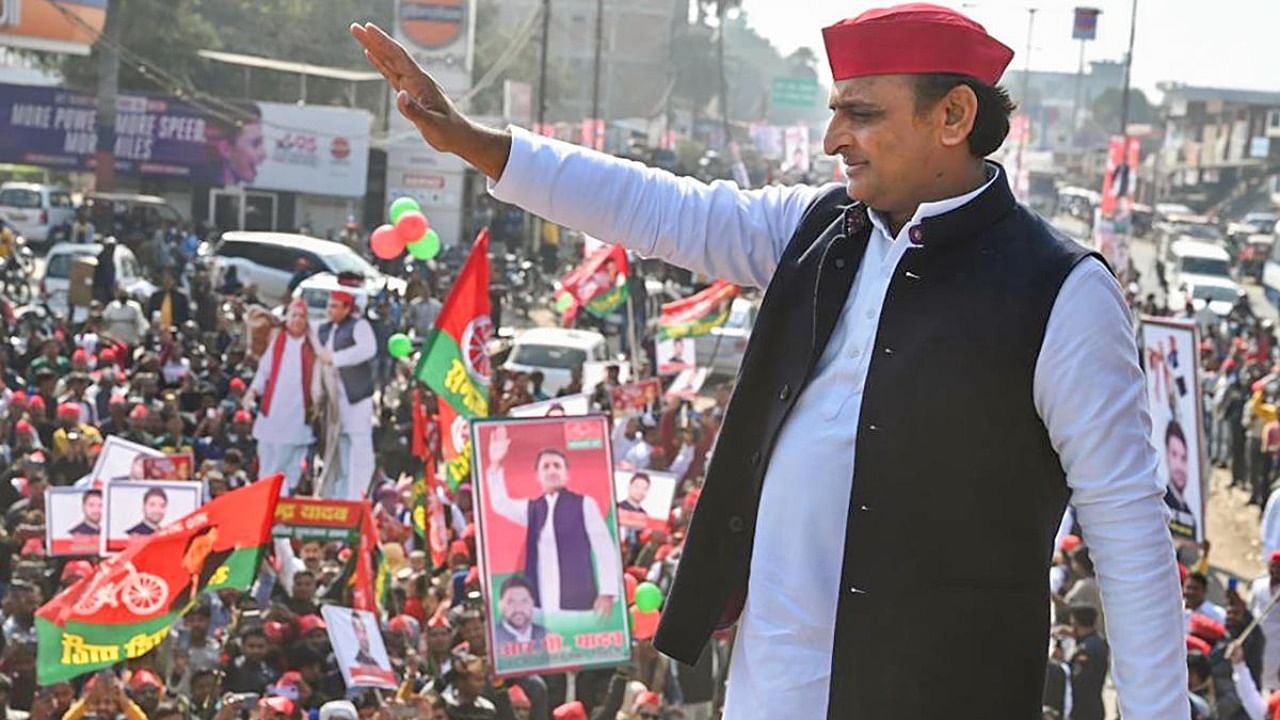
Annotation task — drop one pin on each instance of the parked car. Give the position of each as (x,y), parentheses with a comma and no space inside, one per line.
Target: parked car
(35,208)
(270,259)
(722,349)
(554,352)
(315,292)
(1219,295)
(56,281)
(1190,262)
(130,217)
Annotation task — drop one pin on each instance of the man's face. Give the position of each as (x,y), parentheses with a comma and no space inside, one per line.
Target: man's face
(92,507)
(638,490)
(296,321)
(336,310)
(153,509)
(304,587)
(1176,458)
(438,639)
(473,634)
(198,624)
(255,648)
(471,683)
(312,555)
(362,633)
(889,150)
(63,696)
(202,687)
(1193,593)
(517,607)
(553,473)
(247,153)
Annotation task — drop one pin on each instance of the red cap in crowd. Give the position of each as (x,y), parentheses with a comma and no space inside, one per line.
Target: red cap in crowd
(1196,644)
(292,678)
(69,411)
(1207,629)
(473,576)
(23,427)
(141,678)
(638,573)
(570,711)
(1274,558)
(275,631)
(439,620)
(80,356)
(76,569)
(139,412)
(914,39)
(242,416)
(1070,543)
(518,697)
(282,705)
(307,623)
(19,398)
(648,697)
(458,547)
(36,403)
(343,296)
(33,546)
(237,385)
(108,355)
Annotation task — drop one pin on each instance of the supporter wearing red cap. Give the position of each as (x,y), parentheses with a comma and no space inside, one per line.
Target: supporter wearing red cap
(916,110)
(570,711)
(349,347)
(648,706)
(74,445)
(1263,590)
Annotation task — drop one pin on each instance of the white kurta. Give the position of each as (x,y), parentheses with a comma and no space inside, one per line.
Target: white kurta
(358,415)
(286,424)
(1088,389)
(603,548)
(1262,594)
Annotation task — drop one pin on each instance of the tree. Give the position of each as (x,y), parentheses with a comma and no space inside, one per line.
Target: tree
(1106,108)
(492,44)
(158,38)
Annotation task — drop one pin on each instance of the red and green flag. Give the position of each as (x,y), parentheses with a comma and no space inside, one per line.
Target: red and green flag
(599,285)
(455,359)
(698,313)
(125,609)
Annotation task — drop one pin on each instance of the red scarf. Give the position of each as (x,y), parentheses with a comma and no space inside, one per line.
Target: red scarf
(277,354)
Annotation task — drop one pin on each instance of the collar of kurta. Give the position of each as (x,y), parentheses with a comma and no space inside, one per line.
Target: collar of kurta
(963,223)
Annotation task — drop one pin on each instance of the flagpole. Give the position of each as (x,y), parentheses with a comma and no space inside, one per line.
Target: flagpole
(631,330)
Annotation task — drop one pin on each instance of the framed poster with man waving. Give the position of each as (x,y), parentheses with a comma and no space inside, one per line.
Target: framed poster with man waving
(548,537)
(1171,358)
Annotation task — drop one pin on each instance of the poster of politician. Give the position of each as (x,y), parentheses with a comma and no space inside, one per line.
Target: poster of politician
(73,520)
(576,404)
(549,544)
(675,355)
(644,498)
(138,508)
(358,648)
(1169,353)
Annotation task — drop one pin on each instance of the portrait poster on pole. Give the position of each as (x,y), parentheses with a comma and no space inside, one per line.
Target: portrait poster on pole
(357,646)
(1171,358)
(644,498)
(137,508)
(73,520)
(548,537)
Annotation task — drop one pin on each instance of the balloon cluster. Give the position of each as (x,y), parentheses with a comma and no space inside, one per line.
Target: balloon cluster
(408,230)
(645,599)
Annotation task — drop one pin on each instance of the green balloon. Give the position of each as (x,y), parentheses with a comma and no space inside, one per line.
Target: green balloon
(401,206)
(564,302)
(400,346)
(425,247)
(648,597)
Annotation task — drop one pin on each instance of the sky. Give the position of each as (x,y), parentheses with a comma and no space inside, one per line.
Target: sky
(1216,43)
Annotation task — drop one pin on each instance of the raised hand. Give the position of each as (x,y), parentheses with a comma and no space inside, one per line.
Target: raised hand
(499,445)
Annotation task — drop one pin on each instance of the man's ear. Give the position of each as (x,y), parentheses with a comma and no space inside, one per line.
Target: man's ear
(959,109)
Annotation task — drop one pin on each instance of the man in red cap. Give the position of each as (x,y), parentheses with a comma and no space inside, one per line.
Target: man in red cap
(283,388)
(347,347)
(926,349)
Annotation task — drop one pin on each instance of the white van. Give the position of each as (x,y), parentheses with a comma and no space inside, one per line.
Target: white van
(35,208)
(1191,262)
(555,352)
(56,281)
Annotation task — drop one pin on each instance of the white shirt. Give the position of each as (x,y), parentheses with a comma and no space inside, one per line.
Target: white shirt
(285,424)
(1260,596)
(604,547)
(1088,389)
(1208,609)
(639,456)
(1271,526)
(125,321)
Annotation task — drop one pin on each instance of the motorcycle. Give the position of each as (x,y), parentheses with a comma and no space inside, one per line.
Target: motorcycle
(18,269)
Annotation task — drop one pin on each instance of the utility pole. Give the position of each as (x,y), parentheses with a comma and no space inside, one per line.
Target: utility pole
(721,11)
(104,174)
(595,80)
(541,113)
(1075,105)
(1128,66)
(1026,90)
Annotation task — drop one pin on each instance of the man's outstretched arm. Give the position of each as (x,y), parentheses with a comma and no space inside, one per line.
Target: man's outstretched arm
(715,229)
(1091,395)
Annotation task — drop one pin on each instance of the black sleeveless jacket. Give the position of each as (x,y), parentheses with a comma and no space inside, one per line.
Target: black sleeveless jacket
(949,446)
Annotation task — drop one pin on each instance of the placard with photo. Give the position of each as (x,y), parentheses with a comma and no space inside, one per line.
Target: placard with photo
(579,404)
(676,355)
(1169,353)
(358,648)
(644,498)
(138,508)
(73,520)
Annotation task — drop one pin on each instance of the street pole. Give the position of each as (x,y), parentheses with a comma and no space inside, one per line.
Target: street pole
(542,63)
(1026,89)
(104,173)
(595,80)
(1075,106)
(721,8)
(1128,66)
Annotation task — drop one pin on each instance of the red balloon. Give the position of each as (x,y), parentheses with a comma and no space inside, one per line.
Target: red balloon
(644,624)
(630,582)
(411,226)
(386,243)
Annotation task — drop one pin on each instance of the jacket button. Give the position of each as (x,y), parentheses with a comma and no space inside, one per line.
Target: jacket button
(785,393)
(888,351)
(736,524)
(917,234)
(840,263)
(755,458)
(873,427)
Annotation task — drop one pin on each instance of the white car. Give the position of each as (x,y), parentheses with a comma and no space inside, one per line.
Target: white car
(554,352)
(56,281)
(269,260)
(722,349)
(1219,295)
(315,292)
(35,208)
